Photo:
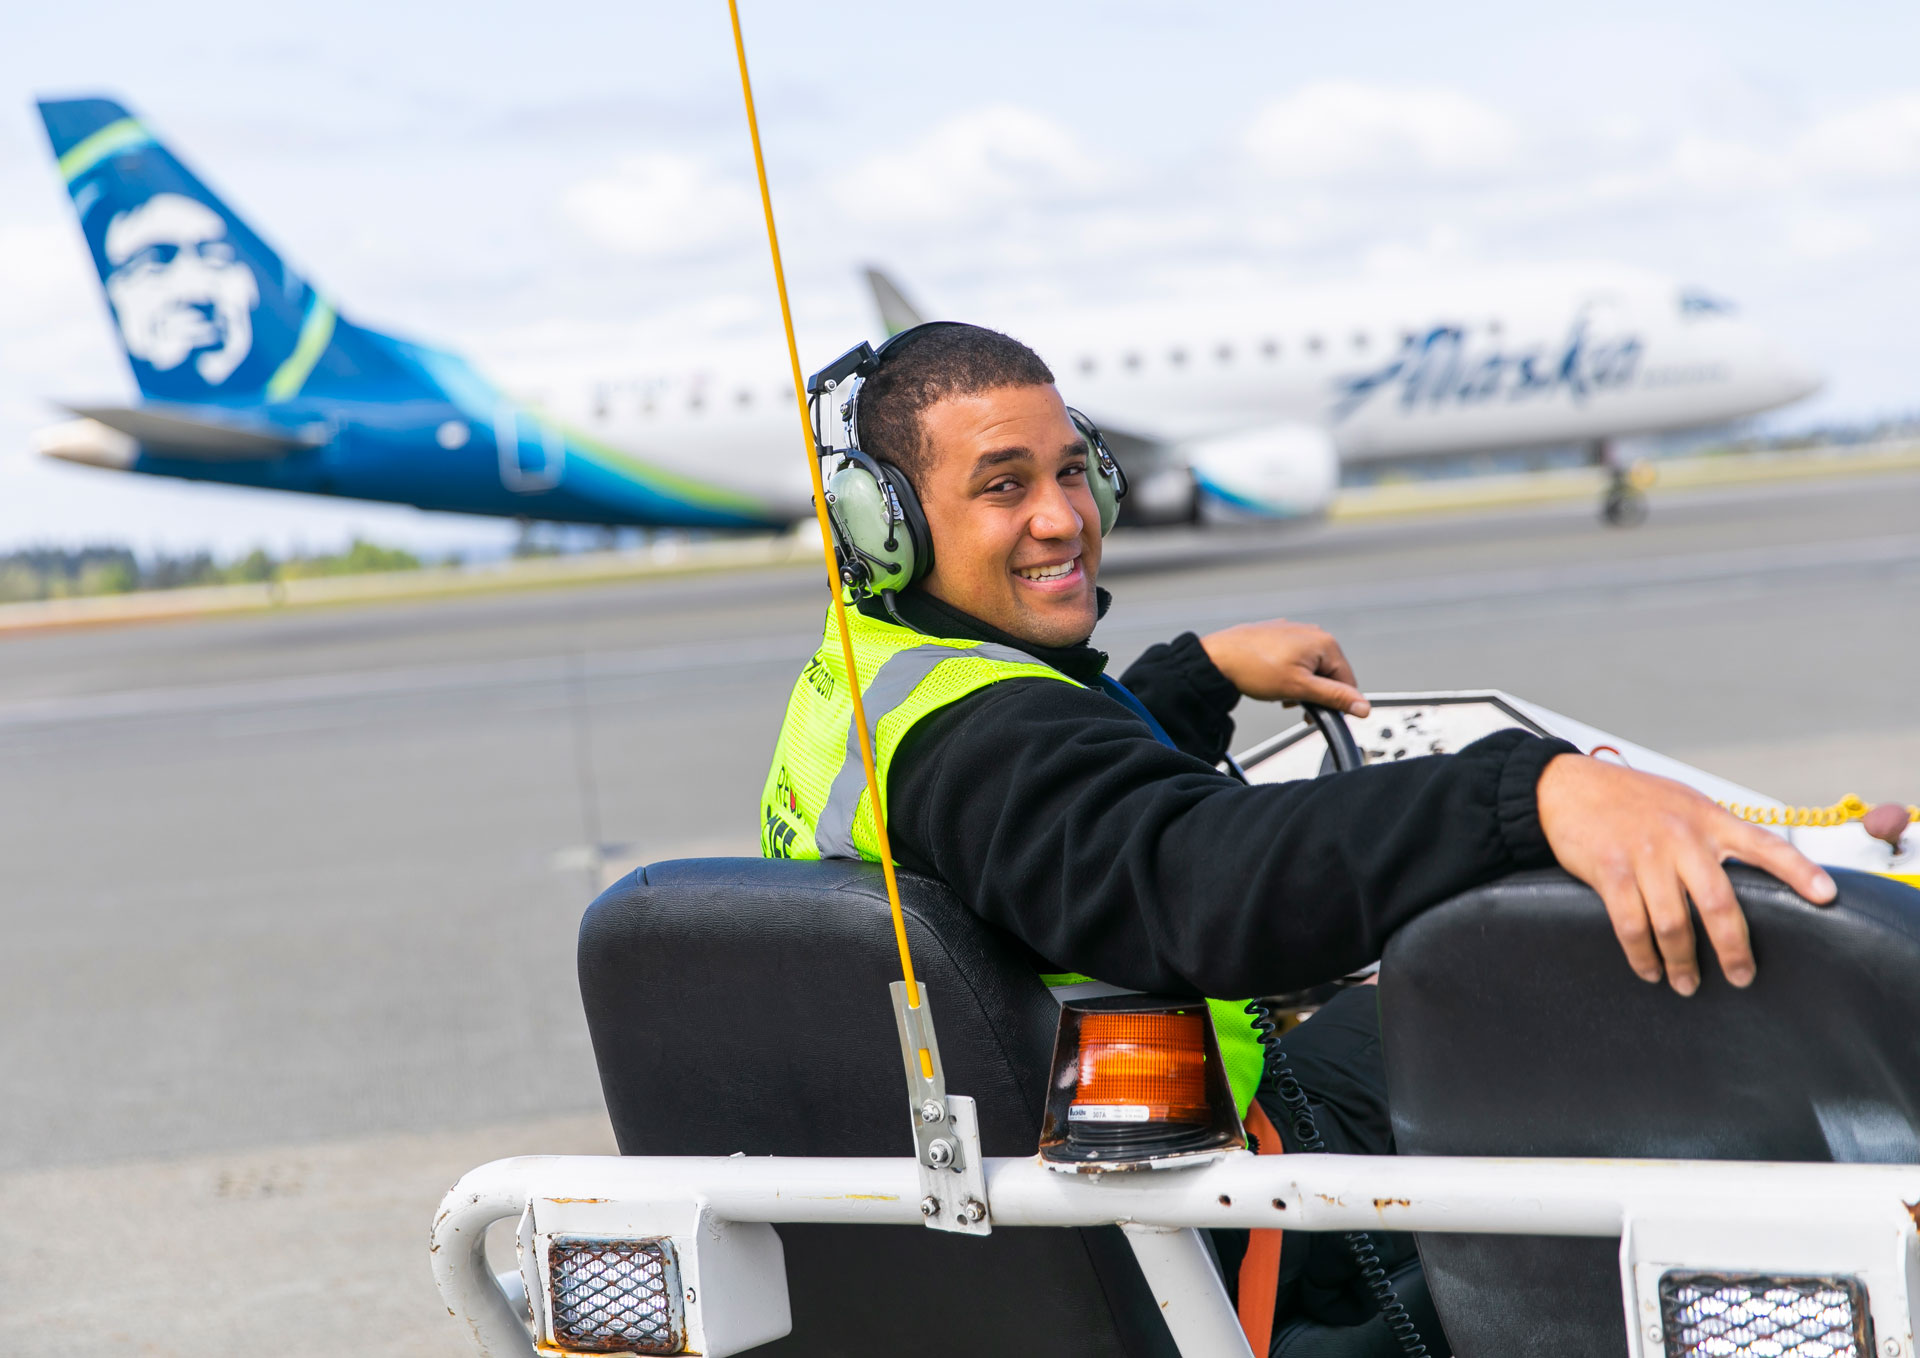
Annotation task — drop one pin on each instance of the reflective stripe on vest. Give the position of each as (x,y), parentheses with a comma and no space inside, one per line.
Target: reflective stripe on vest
(896,680)
(817,764)
(815,803)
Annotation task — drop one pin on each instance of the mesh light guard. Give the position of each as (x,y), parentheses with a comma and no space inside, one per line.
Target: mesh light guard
(616,1296)
(1758,1315)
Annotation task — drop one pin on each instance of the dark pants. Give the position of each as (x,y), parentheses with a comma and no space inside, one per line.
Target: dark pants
(1324,1308)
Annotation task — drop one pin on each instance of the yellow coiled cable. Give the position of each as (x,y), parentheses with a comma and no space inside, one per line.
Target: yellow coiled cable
(1848,808)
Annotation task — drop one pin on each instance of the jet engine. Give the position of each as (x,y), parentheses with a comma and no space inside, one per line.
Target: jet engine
(1278,471)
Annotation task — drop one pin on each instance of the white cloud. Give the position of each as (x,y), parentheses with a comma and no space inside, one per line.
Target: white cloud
(1824,236)
(969,167)
(1340,130)
(1720,165)
(43,270)
(1879,141)
(55,339)
(662,204)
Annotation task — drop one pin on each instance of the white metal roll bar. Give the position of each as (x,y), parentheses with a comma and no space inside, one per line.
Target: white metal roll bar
(1857,1221)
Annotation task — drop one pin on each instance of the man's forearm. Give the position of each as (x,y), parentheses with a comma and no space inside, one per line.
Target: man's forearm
(1187,694)
(1106,853)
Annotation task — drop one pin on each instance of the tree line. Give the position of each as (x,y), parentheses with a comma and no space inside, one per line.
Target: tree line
(68,572)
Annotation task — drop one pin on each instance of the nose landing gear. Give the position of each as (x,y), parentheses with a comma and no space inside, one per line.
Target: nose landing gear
(1625,504)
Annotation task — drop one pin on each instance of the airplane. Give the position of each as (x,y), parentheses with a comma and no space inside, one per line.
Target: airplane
(249,375)
(1253,410)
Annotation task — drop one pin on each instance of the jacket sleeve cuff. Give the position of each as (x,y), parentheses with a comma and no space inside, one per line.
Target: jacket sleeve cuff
(1517,801)
(1214,688)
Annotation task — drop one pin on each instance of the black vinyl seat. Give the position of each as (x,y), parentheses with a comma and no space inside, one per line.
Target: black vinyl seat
(1513,1026)
(741,1005)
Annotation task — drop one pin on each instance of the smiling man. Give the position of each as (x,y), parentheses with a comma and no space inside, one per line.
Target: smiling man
(1088,817)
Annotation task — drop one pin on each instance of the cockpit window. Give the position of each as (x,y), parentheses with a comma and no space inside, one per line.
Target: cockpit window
(1693,302)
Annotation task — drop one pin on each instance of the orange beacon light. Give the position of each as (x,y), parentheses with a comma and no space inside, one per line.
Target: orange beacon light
(1137,1082)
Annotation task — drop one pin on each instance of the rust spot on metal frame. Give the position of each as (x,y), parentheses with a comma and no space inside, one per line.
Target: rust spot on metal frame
(576,1199)
(1382,1204)
(1913,1210)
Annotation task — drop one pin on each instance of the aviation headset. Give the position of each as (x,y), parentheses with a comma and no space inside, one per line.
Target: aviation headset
(880,534)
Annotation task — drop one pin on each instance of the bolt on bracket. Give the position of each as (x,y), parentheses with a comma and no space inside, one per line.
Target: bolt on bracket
(946,1131)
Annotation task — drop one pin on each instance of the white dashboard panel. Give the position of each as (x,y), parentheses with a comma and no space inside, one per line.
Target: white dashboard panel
(1400,726)
(1405,725)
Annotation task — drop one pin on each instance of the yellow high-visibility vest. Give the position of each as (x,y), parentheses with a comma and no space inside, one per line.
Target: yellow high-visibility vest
(816,804)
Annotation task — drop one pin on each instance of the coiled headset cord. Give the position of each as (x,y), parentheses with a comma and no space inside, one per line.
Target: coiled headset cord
(1359,1243)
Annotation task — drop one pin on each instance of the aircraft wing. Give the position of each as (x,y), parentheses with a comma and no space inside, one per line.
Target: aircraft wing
(199,436)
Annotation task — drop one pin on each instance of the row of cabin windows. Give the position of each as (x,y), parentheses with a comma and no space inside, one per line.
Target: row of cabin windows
(1269,350)
(696,402)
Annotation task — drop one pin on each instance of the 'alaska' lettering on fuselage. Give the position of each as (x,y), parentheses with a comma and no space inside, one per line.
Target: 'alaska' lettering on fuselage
(1438,370)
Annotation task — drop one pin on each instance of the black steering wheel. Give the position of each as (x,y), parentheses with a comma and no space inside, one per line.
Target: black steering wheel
(1343,751)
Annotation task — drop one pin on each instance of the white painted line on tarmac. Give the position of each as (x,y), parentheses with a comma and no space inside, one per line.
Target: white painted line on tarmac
(407,682)
(1747,563)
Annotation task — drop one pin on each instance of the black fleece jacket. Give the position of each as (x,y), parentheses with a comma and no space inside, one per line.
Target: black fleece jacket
(1054,813)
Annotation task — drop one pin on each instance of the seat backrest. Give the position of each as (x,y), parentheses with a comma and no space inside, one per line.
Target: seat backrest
(1513,1026)
(742,1005)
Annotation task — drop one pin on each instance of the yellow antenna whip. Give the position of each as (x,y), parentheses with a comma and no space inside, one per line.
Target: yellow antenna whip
(826,544)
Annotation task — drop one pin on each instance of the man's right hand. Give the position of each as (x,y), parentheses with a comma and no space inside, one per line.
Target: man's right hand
(1648,845)
(1290,662)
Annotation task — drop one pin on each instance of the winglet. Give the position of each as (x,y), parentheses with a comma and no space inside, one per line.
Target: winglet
(896,312)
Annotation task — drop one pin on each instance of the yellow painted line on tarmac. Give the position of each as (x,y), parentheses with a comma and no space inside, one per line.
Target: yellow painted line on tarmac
(1373,502)
(585,568)
(1579,483)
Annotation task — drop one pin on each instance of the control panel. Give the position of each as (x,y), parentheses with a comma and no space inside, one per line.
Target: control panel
(1400,726)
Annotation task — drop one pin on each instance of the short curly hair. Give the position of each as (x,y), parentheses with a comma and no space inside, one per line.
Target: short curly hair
(951,359)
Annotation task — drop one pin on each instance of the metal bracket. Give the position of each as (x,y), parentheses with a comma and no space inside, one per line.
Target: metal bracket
(946,1132)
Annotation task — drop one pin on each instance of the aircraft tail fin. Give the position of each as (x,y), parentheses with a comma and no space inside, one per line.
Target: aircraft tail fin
(896,312)
(207,311)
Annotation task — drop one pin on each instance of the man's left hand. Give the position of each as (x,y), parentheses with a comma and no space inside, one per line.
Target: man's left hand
(1281,661)
(1653,847)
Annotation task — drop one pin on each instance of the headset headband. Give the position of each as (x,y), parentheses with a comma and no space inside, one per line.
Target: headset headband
(861,360)
(860,363)
(880,532)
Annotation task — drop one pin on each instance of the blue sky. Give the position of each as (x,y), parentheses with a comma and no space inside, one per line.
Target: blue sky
(563,191)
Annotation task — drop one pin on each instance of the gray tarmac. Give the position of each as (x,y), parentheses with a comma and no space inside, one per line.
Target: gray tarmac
(290,899)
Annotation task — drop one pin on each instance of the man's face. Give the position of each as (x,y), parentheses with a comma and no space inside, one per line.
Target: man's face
(1016,534)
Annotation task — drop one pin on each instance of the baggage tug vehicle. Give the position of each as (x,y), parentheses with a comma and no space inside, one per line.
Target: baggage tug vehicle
(1594,1165)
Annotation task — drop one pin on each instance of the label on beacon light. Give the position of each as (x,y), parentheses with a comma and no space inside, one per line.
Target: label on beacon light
(1109,1112)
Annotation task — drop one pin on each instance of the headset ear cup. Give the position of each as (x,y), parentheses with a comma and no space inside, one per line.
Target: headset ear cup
(916,539)
(858,507)
(1106,497)
(1104,476)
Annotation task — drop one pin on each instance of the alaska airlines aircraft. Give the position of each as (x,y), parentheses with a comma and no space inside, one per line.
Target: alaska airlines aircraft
(251,377)
(1254,409)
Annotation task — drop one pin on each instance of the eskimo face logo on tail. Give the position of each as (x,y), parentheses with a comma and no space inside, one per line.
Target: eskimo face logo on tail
(178,289)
